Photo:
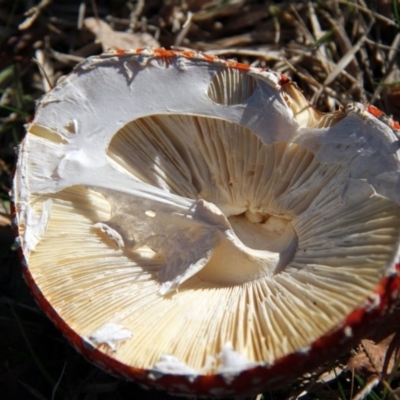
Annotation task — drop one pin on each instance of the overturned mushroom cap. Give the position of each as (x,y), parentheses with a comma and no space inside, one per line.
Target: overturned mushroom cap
(193,224)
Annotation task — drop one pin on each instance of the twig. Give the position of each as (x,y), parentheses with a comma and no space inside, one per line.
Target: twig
(369,12)
(344,61)
(392,61)
(95,9)
(185,29)
(32,14)
(41,63)
(81,15)
(135,14)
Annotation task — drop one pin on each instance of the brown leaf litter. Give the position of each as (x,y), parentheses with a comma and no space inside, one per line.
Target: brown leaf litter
(113,40)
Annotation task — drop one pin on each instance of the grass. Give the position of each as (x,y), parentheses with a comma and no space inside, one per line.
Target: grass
(308,41)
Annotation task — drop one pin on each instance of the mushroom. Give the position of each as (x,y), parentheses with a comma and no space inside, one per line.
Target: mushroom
(195,225)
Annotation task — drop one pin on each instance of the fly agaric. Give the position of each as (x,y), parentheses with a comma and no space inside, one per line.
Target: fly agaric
(195,225)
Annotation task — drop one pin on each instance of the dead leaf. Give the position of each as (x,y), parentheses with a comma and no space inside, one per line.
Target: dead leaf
(377,356)
(376,359)
(113,40)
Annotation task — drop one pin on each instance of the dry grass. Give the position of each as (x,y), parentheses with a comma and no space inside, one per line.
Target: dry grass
(338,51)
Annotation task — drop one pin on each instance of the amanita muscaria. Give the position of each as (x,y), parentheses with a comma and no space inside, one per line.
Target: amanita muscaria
(195,225)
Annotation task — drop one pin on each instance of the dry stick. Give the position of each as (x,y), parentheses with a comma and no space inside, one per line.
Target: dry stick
(326,63)
(366,390)
(81,15)
(316,27)
(47,85)
(277,27)
(67,58)
(372,14)
(32,14)
(301,23)
(383,46)
(392,61)
(185,29)
(352,384)
(95,9)
(341,36)
(390,390)
(96,12)
(343,62)
(309,79)
(135,14)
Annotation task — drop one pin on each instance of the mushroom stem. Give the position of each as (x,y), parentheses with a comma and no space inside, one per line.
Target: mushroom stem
(257,245)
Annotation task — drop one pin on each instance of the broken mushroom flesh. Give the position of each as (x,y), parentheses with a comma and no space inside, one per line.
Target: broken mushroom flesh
(186,218)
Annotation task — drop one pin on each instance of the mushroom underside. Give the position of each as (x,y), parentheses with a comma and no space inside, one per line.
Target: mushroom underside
(269,253)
